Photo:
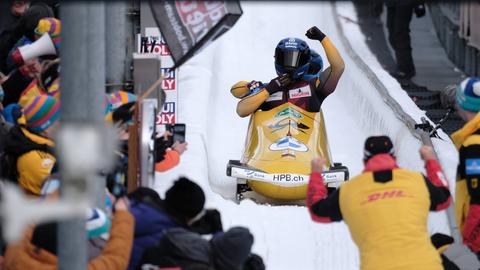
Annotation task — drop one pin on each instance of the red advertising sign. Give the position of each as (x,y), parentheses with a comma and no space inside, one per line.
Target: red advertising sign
(200,16)
(169,79)
(168,114)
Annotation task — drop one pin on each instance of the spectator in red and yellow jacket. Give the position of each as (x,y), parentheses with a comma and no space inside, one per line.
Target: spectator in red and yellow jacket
(386,208)
(467,141)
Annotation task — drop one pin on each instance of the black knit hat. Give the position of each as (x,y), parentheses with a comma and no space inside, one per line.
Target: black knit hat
(232,248)
(375,145)
(185,198)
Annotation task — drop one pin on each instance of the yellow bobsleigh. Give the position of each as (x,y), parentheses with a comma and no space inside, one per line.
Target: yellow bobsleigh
(279,147)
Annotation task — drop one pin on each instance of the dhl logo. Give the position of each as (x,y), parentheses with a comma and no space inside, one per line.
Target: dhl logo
(390,194)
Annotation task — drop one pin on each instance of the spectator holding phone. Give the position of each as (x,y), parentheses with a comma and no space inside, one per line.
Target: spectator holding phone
(167,155)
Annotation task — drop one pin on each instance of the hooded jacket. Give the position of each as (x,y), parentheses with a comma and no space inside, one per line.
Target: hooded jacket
(34,158)
(467,193)
(386,209)
(115,255)
(150,223)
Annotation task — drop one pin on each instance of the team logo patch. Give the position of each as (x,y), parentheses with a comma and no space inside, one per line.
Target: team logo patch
(299,93)
(275,96)
(472,166)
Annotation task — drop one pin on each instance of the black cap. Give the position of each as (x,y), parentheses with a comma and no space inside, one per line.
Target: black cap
(375,145)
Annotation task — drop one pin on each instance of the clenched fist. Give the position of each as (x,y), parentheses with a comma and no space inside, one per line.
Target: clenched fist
(318,163)
(315,34)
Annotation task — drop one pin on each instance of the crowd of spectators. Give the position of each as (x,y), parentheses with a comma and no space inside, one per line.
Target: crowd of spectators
(133,230)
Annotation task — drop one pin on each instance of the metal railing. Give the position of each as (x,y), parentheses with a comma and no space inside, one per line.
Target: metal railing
(447,21)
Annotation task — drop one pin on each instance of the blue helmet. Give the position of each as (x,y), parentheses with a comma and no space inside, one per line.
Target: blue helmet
(292,56)
(315,68)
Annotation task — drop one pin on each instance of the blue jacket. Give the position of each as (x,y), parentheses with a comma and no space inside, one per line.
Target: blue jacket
(150,222)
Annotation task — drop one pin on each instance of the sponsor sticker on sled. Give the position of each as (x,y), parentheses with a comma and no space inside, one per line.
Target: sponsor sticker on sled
(288,142)
(289,112)
(472,166)
(286,177)
(299,93)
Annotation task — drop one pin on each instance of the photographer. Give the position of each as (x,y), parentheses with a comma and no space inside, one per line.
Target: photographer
(167,155)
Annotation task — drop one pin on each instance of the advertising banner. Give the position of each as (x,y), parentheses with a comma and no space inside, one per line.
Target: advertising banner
(189,26)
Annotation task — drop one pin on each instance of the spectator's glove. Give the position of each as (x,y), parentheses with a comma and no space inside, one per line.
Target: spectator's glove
(278,83)
(210,223)
(315,34)
(420,10)
(12,112)
(254,262)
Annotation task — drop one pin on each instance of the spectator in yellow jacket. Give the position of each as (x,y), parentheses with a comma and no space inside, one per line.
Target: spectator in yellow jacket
(385,207)
(31,145)
(467,141)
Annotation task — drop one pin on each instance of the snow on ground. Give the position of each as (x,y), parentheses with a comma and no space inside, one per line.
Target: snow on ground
(284,235)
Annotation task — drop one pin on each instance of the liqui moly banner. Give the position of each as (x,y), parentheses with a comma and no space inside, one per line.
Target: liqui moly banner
(188,26)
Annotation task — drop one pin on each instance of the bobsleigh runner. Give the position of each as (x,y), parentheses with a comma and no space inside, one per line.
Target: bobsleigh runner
(279,147)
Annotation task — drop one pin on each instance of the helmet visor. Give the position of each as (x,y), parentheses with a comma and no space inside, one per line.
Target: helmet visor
(291,59)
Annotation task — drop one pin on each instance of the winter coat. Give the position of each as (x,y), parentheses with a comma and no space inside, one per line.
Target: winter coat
(170,160)
(34,158)
(150,223)
(180,247)
(386,209)
(467,193)
(25,26)
(115,255)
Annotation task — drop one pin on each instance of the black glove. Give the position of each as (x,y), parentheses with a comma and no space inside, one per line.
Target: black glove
(210,223)
(420,10)
(315,34)
(278,83)
(254,262)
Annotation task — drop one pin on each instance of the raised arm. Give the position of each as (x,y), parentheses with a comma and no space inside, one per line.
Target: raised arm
(323,208)
(326,84)
(436,181)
